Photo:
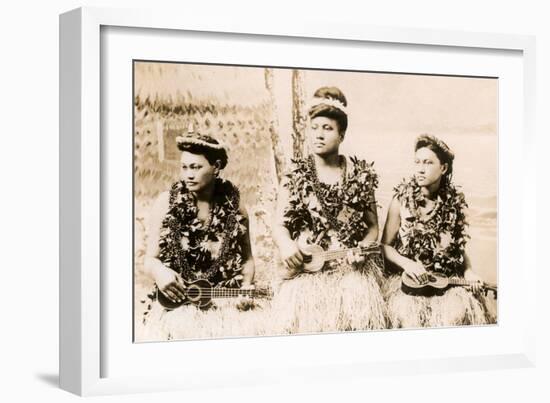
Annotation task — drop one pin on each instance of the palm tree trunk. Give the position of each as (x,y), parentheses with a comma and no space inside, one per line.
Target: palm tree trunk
(274,130)
(298,114)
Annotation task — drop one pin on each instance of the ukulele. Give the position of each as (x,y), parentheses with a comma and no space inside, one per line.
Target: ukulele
(201,292)
(437,284)
(315,256)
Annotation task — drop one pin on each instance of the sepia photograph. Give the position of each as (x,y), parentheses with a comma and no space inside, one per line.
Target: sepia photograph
(274,201)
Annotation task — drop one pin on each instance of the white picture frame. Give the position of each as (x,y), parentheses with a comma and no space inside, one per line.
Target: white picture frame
(84,343)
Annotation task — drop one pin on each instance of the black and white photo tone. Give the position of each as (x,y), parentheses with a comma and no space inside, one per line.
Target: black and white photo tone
(278,201)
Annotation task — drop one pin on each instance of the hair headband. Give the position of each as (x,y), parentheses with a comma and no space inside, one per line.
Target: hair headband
(316,101)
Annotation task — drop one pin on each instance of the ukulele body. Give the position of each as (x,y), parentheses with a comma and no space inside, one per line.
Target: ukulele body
(313,259)
(197,293)
(201,292)
(315,256)
(436,285)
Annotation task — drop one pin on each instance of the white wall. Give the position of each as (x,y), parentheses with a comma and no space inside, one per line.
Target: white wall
(29,212)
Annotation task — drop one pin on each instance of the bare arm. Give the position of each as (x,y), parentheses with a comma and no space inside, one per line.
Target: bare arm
(248,264)
(391,229)
(370,236)
(288,249)
(156,215)
(165,278)
(281,235)
(372,221)
(471,275)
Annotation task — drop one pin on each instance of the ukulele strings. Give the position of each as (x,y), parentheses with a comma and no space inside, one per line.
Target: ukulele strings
(225,293)
(341,252)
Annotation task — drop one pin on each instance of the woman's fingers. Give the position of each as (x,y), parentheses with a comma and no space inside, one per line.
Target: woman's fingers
(296,260)
(177,290)
(180,287)
(349,257)
(421,277)
(178,297)
(424,277)
(354,258)
(296,263)
(478,287)
(292,263)
(174,291)
(299,258)
(414,276)
(418,273)
(169,294)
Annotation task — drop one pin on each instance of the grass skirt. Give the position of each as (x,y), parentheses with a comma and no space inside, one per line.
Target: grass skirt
(457,307)
(228,318)
(343,299)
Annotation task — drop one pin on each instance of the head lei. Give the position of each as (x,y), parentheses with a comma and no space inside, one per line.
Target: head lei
(335,103)
(192,138)
(429,139)
(203,143)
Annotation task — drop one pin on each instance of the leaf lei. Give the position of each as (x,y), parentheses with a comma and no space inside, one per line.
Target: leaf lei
(318,207)
(183,238)
(438,243)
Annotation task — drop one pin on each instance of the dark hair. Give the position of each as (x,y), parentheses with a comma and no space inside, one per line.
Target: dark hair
(211,154)
(330,111)
(441,150)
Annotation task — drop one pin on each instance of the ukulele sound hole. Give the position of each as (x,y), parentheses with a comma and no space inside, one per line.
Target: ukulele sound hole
(308,258)
(193,293)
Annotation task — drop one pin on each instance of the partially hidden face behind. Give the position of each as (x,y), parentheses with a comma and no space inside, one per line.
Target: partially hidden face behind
(428,168)
(324,134)
(196,171)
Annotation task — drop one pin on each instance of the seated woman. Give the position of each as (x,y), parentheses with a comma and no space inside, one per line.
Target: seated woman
(328,200)
(425,232)
(197,229)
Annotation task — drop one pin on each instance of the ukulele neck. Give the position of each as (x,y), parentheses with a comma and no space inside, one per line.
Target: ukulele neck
(459,281)
(230,292)
(463,282)
(341,253)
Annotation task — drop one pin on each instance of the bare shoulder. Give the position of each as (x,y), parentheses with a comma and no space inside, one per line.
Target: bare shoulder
(159,208)
(395,205)
(162,201)
(243,210)
(154,222)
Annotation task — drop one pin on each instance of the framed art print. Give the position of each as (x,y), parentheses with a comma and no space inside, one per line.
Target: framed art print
(247,197)
(265,120)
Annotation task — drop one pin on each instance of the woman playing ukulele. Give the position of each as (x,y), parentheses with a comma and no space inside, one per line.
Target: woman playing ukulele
(328,200)
(197,231)
(425,232)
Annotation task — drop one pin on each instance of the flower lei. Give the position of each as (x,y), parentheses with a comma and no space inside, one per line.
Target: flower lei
(318,207)
(184,239)
(438,243)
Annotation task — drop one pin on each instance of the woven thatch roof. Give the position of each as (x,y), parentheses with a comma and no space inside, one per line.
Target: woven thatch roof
(175,83)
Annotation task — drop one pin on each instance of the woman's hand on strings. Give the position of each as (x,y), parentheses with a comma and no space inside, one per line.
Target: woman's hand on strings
(169,284)
(245,302)
(355,258)
(473,277)
(416,271)
(292,256)
(358,257)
